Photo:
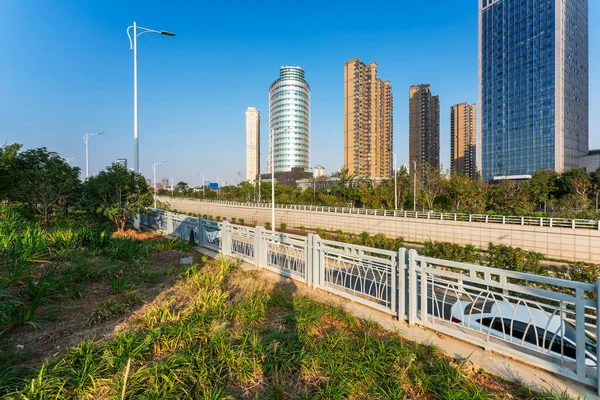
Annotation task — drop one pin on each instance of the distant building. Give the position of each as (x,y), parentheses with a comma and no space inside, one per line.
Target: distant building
(148,182)
(533,86)
(318,171)
(591,161)
(424,127)
(122,162)
(288,178)
(289,121)
(164,182)
(463,126)
(252,144)
(368,121)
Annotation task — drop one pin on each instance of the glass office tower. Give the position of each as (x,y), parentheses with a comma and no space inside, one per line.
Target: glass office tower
(289,120)
(533,86)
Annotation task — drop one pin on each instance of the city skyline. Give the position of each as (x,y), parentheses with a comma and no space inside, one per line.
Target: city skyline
(179,111)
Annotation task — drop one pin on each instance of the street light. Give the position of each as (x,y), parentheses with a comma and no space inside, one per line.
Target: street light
(133,46)
(69,159)
(415,190)
(85,139)
(202,185)
(395,185)
(154,165)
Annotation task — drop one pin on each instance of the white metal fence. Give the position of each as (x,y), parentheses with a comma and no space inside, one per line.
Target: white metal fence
(483,218)
(547,322)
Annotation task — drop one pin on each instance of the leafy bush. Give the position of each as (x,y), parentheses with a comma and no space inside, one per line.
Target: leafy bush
(283,227)
(241,221)
(451,251)
(268,226)
(514,259)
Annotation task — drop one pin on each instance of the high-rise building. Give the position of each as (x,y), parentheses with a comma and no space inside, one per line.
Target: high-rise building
(252,144)
(368,121)
(463,140)
(533,86)
(164,182)
(122,162)
(289,120)
(424,127)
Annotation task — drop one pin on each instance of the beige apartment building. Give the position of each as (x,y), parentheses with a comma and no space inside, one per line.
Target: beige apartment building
(368,121)
(424,128)
(252,144)
(463,130)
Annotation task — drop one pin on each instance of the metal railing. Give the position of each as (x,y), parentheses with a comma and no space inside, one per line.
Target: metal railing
(546,322)
(482,218)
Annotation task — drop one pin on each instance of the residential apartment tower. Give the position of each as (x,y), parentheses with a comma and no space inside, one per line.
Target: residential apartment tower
(252,144)
(424,127)
(368,121)
(463,140)
(533,86)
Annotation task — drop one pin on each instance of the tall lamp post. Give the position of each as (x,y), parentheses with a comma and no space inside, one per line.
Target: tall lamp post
(133,46)
(395,185)
(86,138)
(415,189)
(218,186)
(154,165)
(202,185)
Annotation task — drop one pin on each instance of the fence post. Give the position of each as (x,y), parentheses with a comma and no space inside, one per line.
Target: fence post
(573,223)
(394,285)
(201,233)
(550,222)
(309,260)
(226,238)
(522,220)
(580,332)
(597,332)
(503,219)
(412,289)
(257,246)
(317,264)
(401,284)
(169,223)
(486,219)
(541,221)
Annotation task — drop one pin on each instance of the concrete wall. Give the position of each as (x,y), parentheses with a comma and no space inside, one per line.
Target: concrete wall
(559,243)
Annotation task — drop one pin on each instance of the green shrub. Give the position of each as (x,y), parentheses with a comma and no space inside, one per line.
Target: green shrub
(241,221)
(283,227)
(451,251)
(268,226)
(233,219)
(514,259)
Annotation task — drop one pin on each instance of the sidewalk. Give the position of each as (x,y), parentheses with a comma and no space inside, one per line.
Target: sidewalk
(496,364)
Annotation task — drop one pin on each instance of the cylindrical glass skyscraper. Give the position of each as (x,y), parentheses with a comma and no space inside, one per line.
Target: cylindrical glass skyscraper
(289,120)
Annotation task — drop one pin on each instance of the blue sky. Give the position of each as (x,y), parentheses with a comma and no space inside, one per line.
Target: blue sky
(66,69)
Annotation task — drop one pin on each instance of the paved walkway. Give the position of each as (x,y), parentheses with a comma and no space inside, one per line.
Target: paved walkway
(496,364)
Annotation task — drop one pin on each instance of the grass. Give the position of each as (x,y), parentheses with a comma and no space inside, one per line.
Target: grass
(221,333)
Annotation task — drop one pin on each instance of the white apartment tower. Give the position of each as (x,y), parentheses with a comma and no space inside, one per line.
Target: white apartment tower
(252,144)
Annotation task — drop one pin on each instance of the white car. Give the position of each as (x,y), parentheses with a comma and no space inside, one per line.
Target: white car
(525,326)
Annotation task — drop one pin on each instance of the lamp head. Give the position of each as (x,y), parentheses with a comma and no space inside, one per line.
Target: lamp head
(166,33)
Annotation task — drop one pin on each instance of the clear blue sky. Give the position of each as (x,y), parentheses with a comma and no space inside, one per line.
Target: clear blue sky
(66,69)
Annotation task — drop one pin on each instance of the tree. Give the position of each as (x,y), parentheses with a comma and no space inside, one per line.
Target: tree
(542,185)
(459,189)
(181,186)
(8,169)
(116,194)
(433,185)
(43,179)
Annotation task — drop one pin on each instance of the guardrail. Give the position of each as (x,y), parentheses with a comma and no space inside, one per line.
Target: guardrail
(546,322)
(484,218)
